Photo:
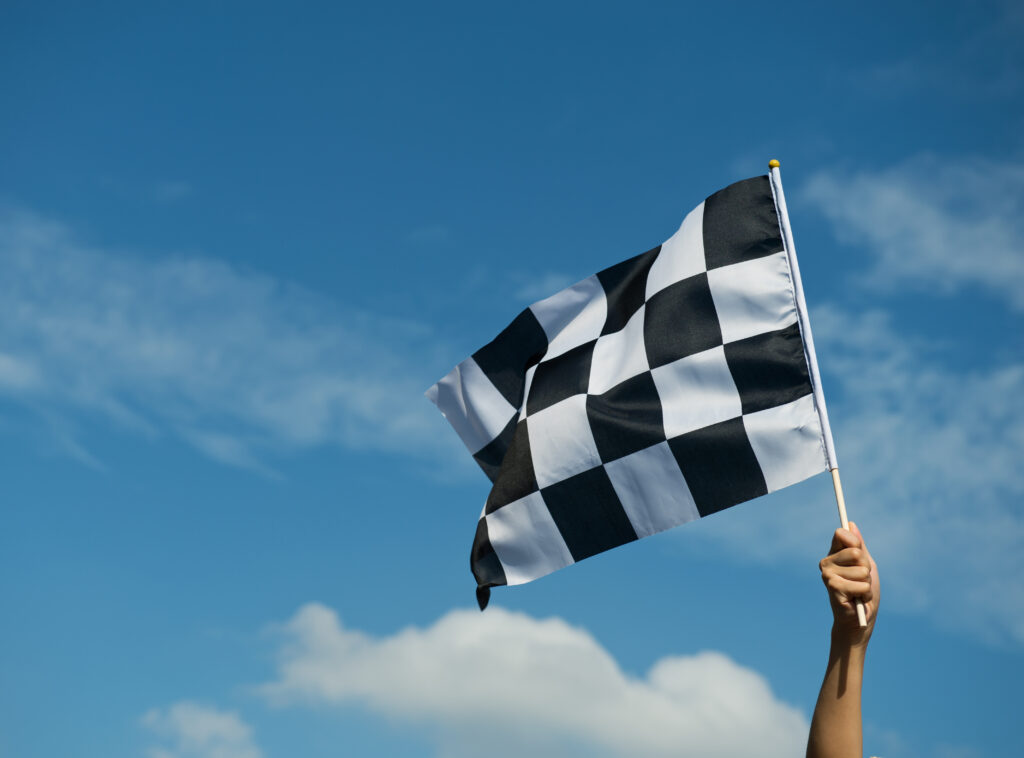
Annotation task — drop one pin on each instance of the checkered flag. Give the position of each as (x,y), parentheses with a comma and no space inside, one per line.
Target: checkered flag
(665,388)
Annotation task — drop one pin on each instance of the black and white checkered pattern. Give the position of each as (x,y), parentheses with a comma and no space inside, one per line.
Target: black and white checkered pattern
(662,389)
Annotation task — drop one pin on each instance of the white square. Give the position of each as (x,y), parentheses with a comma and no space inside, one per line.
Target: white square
(619,356)
(472,404)
(681,256)
(652,490)
(788,442)
(527,383)
(526,540)
(696,391)
(573,316)
(561,443)
(753,297)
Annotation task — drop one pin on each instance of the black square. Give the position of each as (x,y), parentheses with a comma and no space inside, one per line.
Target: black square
(680,320)
(560,378)
(719,466)
(490,457)
(740,223)
(505,358)
(769,369)
(626,418)
(484,561)
(516,479)
(588,513)
(625,287)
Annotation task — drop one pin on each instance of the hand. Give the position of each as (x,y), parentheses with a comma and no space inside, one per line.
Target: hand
(850,574)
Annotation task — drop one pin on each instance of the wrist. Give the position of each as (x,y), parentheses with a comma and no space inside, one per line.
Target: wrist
(855,638)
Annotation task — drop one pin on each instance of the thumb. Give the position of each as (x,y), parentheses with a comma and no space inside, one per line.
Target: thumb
(856,532)
(863,545)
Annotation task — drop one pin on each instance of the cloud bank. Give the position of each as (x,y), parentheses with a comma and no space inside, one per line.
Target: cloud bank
(191,730)
(506,684)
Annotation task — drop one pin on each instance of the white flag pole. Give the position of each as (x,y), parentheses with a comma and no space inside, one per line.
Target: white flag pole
(812,360)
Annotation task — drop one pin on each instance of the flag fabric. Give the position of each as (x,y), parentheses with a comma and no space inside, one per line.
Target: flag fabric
(662,389)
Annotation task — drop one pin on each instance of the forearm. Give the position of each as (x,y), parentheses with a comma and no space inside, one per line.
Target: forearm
(836,724)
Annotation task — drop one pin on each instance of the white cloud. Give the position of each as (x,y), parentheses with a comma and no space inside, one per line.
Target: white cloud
(505,684)
(191,730)
(930,457)
(932,224)
(235,362)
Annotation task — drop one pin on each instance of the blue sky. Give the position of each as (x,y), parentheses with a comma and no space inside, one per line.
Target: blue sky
(239,240)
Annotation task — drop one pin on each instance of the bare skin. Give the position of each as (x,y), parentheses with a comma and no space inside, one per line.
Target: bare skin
(849,574)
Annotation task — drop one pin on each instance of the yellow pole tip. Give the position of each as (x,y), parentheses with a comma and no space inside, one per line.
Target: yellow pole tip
(773,163)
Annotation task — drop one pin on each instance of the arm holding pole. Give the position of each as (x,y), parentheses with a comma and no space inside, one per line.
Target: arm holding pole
(851,577)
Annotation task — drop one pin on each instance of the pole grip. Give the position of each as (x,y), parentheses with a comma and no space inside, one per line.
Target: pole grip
(841,502)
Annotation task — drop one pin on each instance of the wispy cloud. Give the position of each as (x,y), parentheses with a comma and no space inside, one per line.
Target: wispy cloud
(935,225)
(17,373)
(934,455)
(956,751)
(237,363)
(983,62)
(191,730)
(537,288)
(506,684)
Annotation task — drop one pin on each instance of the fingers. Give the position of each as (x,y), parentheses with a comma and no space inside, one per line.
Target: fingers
(851,578)
(856,531)
(860,572)
(850,556)
(850,589)
(852,570)
(847,570)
